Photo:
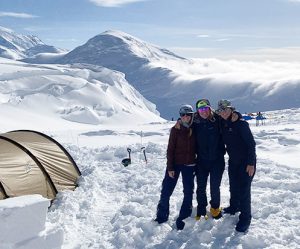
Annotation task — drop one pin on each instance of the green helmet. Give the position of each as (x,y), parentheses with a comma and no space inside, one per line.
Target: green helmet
(202,103)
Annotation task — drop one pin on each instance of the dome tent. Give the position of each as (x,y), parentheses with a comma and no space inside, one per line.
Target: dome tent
(34,163)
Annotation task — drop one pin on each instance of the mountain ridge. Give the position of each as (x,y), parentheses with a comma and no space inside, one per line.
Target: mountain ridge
(17,46)
(168,80)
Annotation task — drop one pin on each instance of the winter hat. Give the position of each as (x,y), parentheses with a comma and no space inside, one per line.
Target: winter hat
(186,109)
(223,104)
(202,103)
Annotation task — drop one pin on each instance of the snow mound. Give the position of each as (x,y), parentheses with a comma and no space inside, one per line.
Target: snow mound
(82,94)
(23,224)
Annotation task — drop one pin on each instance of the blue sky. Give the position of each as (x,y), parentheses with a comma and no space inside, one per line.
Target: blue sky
(242,29)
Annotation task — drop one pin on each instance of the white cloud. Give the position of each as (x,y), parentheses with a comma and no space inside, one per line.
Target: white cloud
(222,39)
(113,3)
(63,40)
(16,15)
(232,71)
(294,1)
(284,54)
(203,36)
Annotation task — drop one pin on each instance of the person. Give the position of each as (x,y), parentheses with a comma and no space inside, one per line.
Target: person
(258,118)
(240,146)
(210,152)
(180,159)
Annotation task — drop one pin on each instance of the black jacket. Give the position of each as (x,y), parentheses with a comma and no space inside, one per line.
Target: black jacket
(239,141)
(209,143)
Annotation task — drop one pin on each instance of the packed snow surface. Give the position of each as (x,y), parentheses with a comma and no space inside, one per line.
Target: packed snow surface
(114,206)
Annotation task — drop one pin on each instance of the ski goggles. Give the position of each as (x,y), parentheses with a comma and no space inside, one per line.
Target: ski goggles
(186,114)
(204,109)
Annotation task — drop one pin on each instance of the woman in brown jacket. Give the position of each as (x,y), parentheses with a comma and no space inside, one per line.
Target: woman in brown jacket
(180,159)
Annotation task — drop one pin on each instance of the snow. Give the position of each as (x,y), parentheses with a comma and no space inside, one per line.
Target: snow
(17,46)
(23,224)
(70,93)
(253,86)
(258,86)
(96,114)
(113,206)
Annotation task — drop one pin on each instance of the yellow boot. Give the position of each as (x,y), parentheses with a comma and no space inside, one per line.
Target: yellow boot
(216,213)
(198,217)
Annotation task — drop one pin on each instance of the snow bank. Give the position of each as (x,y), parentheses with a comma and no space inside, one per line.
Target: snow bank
(23,223)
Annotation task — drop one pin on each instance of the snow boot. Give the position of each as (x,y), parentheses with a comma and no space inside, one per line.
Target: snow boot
(230,210)
(201,212)
(242,226)
(216,213)
(161,220)
(180,224)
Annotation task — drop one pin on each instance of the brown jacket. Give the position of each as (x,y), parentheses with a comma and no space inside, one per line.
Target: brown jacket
(181,147)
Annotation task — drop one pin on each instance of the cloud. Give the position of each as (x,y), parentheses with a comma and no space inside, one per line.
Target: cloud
(203,36)
(114,3)
(62,40)
(222,39)
(283,54)
(16,15)
(232,71)
(294,1)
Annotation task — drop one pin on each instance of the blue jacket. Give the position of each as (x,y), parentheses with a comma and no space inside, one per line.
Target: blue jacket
(209,143)
(239,141)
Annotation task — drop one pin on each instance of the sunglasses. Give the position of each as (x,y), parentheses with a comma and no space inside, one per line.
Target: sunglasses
(186,114)
(222,110)
(203,109)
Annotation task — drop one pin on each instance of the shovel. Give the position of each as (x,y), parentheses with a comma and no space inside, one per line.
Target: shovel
(144,152)
(127,161)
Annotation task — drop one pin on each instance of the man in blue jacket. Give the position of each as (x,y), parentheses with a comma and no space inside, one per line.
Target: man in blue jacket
(240,146)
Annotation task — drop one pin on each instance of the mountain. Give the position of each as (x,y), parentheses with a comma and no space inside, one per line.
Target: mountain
(16,46)
(80,94)
(115,48)
(169,80)
(125,53)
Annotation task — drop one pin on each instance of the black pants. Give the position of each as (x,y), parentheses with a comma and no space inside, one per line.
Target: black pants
(168,186)
(240,189)
(214,169)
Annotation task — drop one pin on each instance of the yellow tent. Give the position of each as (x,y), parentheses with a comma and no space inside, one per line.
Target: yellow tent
(34,163)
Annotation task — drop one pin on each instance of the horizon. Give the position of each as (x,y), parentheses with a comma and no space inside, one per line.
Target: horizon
(252,30)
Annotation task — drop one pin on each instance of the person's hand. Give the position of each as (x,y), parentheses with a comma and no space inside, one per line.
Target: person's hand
(171,173)
(250,170)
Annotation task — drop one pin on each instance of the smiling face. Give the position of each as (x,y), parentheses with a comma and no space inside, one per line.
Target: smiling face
(225,114)
(204,112)
(186,117)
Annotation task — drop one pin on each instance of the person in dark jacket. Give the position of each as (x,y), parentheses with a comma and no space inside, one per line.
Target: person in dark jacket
(180,159)
(210,152)
(240,146)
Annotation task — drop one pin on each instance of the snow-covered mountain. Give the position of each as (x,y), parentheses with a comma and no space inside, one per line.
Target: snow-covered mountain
(16,46)
(96,114)
(169,80)
(84,94)
(125,53)
(116,48)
